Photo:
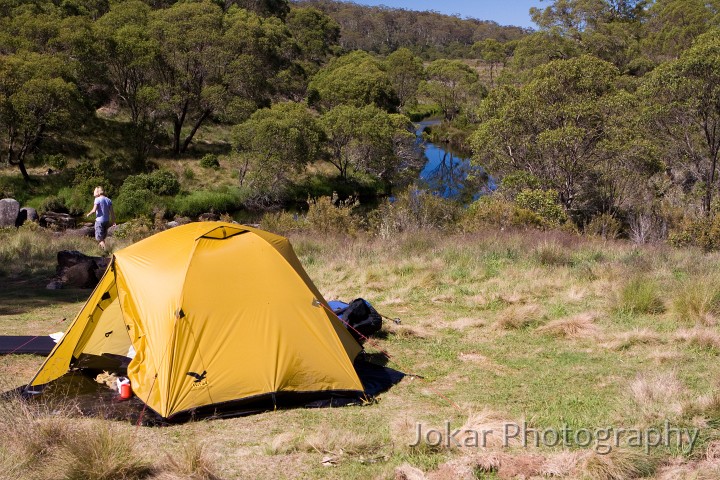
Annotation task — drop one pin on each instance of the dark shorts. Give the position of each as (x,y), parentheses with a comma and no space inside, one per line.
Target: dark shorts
(101,229)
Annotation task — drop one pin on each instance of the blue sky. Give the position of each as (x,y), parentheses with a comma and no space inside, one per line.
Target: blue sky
(504,12)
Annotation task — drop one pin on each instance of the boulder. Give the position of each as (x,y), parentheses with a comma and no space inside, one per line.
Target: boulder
(57,221)
(183,220)
(84,231)
(111,230)
(27,214)
(209,217)
(75,269)
(9,211)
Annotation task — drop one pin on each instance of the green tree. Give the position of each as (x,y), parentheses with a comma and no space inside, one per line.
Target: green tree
(449,84)
(540,48)
(37,98)
(315,32)
(608,29)
(673,25)
(130,56)
(684,112)
(275,143)
(365,139)
(405,71)
(354,79)
(493,53)
(187,64)
(552,127)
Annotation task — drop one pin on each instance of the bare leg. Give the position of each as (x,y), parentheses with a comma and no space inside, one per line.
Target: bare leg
(102,244)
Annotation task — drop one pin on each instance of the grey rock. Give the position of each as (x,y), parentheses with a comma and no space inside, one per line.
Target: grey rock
(171,224)
(183,220)
(27,214)
(9,211)
(57,221)
(84,231)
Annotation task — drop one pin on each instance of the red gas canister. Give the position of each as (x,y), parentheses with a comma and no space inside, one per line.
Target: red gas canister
(125,391)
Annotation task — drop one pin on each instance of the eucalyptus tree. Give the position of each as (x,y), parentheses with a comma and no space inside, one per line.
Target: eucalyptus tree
(366,139)
(130,55)
(275,143)
(355,79)
(405,71)
(684,113)
(673,25)
(552,127)
(450,84)
(37,98)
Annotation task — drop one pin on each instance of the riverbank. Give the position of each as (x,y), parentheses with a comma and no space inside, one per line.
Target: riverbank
(550,329)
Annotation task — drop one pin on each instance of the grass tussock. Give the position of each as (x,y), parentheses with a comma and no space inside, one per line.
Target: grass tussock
(492,422)
(102,451)
(50,444)
(638,336)
(619,464)
(700,337)
(658,394)
(561,464)
(577,326)
(341,441)
(518,316)
(698,301)
(640,295)
(192,462)
(552,254)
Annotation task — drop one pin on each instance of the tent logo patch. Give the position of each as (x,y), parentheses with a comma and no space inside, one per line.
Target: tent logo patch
(200,379)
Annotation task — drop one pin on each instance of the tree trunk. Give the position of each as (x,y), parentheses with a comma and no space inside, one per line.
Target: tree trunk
(177,128)
(21,166)
(194,130)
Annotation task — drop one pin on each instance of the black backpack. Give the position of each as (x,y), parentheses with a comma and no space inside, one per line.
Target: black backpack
(361,319)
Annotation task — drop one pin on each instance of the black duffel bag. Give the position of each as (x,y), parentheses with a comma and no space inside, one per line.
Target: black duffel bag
(361,319)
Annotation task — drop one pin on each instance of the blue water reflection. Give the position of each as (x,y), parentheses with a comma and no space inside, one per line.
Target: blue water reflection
(447,174)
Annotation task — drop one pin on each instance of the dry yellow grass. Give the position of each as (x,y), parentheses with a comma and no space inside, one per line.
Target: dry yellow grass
(518,316)
(578,326)
(658,394)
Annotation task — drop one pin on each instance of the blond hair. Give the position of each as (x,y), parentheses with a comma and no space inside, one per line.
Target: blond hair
(98,191)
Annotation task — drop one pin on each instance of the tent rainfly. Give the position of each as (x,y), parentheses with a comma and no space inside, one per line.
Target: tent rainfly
(216,314)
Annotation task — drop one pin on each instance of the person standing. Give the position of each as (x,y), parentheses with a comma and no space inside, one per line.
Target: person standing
(104,215)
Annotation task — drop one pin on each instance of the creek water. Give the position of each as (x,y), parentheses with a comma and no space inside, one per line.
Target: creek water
(447,173)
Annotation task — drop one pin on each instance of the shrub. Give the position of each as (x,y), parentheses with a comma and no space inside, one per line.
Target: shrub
(188,173)
(79,198)
(543,203)
(497,211)
(282,222)
(84,171)
(159,182)
(702,232)
(56,161)
(605,226)
(53,203)
(132,203)
(415,210)
(515,182)
(325,217)
(134,230)
(210,161)
(202,201)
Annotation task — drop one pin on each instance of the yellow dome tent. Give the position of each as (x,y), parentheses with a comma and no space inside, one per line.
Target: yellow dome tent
(216,314)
